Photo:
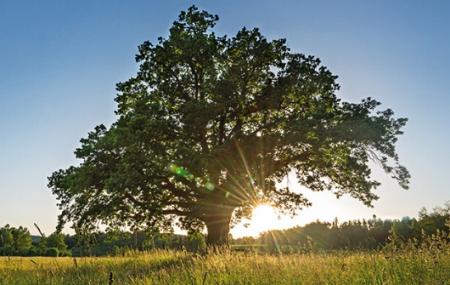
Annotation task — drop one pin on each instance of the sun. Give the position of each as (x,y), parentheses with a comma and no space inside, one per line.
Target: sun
(263,219)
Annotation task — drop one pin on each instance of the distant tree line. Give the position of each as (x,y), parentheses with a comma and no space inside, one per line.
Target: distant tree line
(18,241)
(363,234)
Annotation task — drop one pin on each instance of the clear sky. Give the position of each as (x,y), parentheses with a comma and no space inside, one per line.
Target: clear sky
(60,60)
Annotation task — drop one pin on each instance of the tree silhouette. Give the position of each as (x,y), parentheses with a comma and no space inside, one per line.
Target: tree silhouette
(210,124)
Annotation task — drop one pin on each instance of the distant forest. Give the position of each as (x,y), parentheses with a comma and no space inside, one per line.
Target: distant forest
(369,234)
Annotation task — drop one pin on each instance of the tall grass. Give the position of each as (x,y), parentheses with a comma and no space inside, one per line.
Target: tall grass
(409,263)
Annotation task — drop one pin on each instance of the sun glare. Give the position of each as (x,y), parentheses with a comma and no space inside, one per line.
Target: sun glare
(263,219)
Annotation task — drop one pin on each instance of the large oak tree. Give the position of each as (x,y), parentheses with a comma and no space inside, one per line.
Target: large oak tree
(209,126)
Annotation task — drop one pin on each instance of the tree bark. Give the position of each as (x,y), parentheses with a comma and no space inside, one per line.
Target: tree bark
(218,230)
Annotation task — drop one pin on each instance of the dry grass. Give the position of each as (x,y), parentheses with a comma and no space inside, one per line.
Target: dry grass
(410,266)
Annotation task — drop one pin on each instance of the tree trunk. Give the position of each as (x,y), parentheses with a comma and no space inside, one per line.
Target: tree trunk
(218,230)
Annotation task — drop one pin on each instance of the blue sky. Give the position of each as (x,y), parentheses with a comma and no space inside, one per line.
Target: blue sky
(60,60)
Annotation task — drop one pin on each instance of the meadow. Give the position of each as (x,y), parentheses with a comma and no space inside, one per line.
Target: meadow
(425,265)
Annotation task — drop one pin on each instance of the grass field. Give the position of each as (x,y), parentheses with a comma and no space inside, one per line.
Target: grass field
(166,267)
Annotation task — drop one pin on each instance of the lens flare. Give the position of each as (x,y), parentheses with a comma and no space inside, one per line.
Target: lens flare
(263,219)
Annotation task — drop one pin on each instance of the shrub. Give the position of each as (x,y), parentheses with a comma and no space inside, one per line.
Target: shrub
(34,251)
(52,251)
(196,242)
(7,250)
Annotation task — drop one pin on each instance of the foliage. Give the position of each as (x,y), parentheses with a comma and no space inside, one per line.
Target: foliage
(14,241)
(359,235)
(196,242)
(208,127)
(52,251)
(57,241)
(19,242)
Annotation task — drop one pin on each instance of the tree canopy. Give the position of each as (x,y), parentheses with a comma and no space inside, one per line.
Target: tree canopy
(209,126)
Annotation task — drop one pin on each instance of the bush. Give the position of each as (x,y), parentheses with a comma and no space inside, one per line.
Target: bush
(7,250)
(34,251)
(196,242)
(52,251)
